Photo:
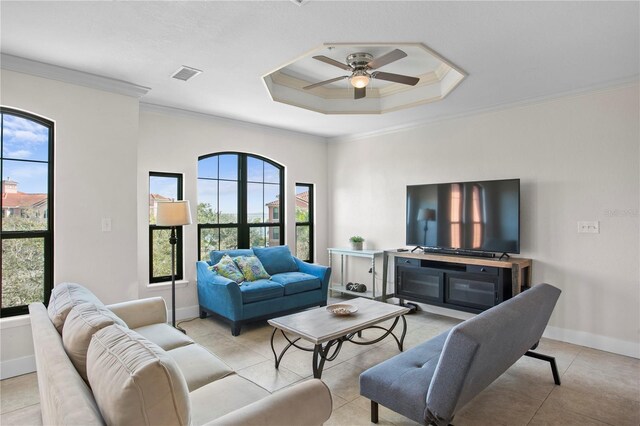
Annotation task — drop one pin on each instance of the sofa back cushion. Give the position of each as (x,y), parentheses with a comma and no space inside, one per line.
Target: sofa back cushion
(83,321)
(276,259)
(216,255)
(64,297)
(478,350)
(134,381)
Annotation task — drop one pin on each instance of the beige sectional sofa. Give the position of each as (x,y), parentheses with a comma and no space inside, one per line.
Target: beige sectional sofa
(123,364)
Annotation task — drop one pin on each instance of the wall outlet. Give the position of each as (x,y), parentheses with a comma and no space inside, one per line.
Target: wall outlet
(106,224)
(589,227)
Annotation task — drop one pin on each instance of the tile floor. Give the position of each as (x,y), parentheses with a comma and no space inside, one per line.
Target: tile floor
(598,388)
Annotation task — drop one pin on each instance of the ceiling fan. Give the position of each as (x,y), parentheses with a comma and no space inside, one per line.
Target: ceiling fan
(359,64)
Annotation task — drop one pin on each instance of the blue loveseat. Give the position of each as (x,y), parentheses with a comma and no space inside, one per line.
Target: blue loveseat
(294,285)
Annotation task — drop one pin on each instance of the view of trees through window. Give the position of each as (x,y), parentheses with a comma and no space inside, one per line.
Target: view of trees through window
(163,187)
(239,200)
(26,220)
(304,221)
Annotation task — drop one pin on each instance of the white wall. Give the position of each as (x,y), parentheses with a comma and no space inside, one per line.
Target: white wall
(171,142)
(577,158)
(95,174)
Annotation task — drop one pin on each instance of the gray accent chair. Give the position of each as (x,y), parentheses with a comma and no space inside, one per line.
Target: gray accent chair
(432,381)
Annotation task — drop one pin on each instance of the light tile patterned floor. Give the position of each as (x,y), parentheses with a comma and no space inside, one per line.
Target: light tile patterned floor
(598,388)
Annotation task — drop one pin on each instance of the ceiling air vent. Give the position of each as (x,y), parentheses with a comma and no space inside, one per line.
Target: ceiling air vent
(185,73)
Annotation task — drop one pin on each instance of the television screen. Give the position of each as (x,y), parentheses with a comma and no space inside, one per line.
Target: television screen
(479,216)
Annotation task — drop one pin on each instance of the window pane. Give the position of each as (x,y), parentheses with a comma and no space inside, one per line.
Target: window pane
(208,167)
(207,201)
(272,202)
(302,242)
(161,188)
(228,238)
(255,203)
(302,203)
(209,240)
(255,170)
(271,173)
(228,202)
(258,237)
(161,252)
(24,195)
(24,139)
(22,271)
(228,167)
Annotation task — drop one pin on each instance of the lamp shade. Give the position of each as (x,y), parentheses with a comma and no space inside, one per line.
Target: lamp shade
(426,214)
(173,213)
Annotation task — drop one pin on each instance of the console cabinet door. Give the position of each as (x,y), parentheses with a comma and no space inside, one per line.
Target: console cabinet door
(472,291)
(419,284)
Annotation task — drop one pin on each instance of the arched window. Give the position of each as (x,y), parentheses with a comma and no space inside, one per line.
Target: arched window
(240,202)
(26,223)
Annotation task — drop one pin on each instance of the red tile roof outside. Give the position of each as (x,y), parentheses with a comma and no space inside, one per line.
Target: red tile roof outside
(22,200)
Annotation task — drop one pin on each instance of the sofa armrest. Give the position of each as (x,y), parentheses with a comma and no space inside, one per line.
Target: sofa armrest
(320,271)
(217,293)
(307,403)
(138,313)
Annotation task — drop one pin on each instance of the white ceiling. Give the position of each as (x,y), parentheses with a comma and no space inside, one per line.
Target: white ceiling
(512,51)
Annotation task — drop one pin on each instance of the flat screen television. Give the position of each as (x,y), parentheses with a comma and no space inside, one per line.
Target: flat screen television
(482,216)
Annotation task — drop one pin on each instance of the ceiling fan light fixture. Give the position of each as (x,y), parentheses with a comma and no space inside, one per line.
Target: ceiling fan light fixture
(359,79)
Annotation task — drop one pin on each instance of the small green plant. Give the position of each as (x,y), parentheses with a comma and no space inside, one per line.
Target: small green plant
(356,239)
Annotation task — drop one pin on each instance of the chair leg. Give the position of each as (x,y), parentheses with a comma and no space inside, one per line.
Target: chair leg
(235,328)
(203,314)
(551,360)
(374,412)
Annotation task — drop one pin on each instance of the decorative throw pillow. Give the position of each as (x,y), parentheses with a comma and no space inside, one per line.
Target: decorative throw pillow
(251,268)
(228,269)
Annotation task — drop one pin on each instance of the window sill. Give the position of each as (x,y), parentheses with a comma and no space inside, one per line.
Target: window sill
(167,285)
(13,322)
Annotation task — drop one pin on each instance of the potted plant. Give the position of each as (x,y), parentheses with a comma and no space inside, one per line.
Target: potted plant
(356,242)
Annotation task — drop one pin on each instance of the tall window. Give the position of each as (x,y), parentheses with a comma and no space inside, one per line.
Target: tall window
(240,197)
(163,187)
(26,222)
(304,221)
(456,215)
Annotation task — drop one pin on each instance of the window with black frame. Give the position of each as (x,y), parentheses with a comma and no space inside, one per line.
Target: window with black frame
(304,221)
(26,222)
(163,187)
(240,197)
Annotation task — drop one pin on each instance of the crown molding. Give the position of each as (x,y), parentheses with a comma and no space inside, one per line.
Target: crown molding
(603,87)
(68,75)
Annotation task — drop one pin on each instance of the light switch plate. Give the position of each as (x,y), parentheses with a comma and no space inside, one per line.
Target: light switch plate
(589,227)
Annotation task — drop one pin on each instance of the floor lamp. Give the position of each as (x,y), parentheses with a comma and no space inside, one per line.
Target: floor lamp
(173,214)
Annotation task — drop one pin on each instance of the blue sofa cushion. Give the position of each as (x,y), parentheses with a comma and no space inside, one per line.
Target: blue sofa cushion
(297,282)
(276,260)
(216,255)
(256,291)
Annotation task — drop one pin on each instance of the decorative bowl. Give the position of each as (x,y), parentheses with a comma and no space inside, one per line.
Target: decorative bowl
(342,309)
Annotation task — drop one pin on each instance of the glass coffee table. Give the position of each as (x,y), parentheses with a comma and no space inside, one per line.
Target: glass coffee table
(327,331)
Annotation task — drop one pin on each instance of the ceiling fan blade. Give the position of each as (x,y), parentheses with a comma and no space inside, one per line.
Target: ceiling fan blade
(387,58)
(396,78)
(322,83)
(333,62)
(360,92)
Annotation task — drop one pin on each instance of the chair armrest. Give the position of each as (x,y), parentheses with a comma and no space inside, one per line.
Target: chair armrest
(138,313)
(320,271)
(307,403)
(217,293)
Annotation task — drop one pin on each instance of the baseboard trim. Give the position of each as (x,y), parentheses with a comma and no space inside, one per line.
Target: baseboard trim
(17,366)
(595,341)
(187,312)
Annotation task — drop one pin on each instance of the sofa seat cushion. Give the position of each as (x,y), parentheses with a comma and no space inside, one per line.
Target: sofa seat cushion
(222,397)
(199,366)
(83,321)
(297,282)
(276,260)
(164,336)
(256,291)
(134,381)
(64,297)
(401,383)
